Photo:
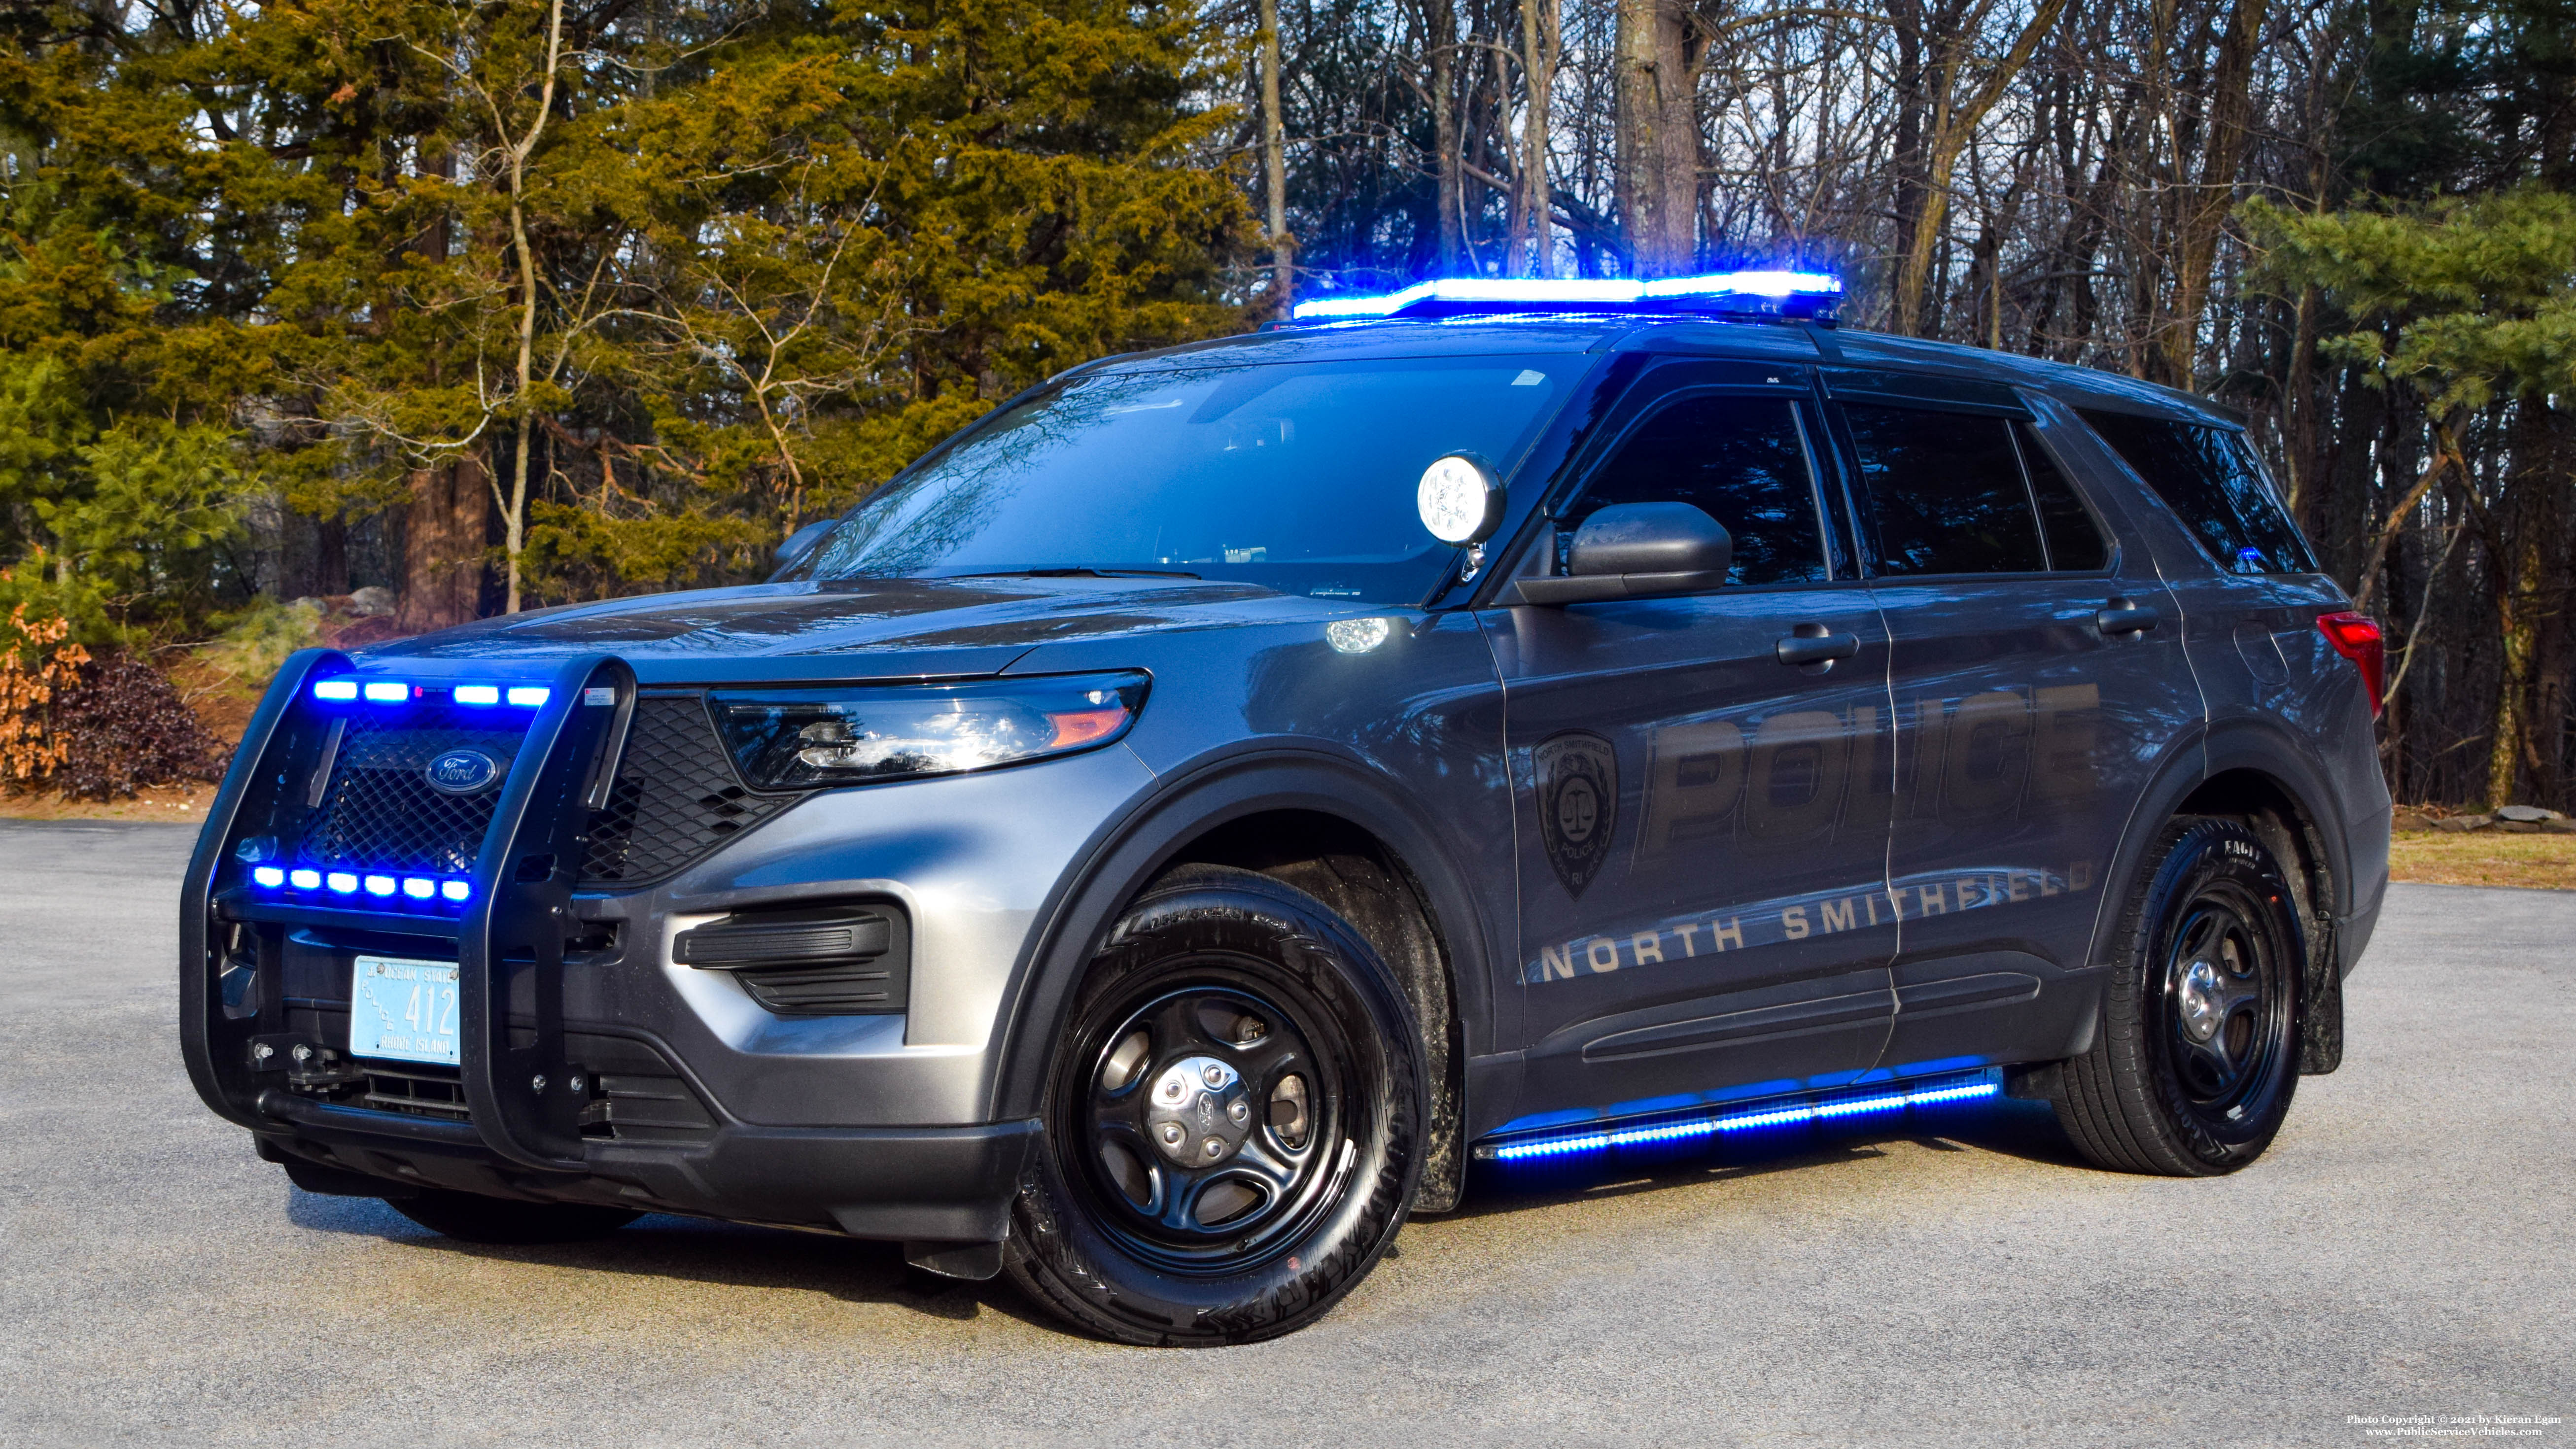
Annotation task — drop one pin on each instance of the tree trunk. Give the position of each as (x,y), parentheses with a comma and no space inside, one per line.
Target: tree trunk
(445,534)
(2221,157)
(1274,164)
(1440,28)
(1954,120)
(1538,49)
(1658,137)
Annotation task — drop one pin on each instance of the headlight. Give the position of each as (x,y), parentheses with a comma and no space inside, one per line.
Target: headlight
(788,739)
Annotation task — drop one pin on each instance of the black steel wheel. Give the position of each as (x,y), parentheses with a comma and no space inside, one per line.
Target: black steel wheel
(474,1218)
(1232,1120)
(2197,1055)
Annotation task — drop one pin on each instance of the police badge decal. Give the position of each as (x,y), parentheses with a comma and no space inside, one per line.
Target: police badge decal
(1578,804)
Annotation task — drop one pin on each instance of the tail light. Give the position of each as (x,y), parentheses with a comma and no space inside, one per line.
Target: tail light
(2356,637)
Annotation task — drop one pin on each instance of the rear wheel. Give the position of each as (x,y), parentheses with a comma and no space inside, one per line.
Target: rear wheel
(478,1219)
(1232,1122)
(2192,1069)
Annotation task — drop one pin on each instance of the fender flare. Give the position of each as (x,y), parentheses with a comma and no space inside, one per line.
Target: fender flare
(2213,750)
(1129,851)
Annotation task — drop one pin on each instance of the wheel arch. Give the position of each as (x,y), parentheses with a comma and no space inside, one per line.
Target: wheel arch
(2259,778)
(1311,819)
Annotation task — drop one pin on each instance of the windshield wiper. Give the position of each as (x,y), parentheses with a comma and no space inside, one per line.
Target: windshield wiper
(1085,572)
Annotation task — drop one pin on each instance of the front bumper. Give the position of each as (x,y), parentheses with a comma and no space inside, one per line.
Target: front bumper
(900,1184)
(595,1067)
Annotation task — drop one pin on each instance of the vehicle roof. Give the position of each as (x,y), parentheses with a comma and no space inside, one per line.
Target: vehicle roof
(1480,334)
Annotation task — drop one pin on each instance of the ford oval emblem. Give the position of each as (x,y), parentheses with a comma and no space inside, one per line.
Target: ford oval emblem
(462,772)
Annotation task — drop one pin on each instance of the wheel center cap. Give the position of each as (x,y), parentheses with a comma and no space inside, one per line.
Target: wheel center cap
(2198,999)
(1198,1112)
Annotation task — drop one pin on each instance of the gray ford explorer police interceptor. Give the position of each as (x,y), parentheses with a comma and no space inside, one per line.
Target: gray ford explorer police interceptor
(1165,836)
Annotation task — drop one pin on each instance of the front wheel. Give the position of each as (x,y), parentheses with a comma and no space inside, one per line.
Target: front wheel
(2192,1069)
(1232,1122)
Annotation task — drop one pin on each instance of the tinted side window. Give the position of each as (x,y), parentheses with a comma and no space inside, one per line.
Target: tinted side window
(2074,539)
(1946,492)
(2206,476)
(1739,459)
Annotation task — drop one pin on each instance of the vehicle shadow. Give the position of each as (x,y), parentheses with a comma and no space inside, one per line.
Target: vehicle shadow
(666,1246)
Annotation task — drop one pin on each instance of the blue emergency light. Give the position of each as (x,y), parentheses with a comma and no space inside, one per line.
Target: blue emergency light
(1801,295)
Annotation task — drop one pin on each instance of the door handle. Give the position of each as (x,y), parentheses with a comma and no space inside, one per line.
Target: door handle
(1814,644)
(2126,616)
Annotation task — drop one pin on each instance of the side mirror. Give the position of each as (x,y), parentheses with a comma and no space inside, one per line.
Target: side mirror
(1638,551)
(800,543)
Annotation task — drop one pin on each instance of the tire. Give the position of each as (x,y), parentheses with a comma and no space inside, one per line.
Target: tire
(2196,1056)
(473,1218)
(1234,1120)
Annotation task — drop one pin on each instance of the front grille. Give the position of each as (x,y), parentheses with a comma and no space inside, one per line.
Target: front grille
(424,1091)
(379,812)
(676,797)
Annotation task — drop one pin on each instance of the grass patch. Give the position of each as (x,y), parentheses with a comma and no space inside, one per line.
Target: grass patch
(2484,858)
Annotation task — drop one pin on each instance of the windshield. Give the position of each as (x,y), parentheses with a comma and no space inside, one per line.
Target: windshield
(1299,477)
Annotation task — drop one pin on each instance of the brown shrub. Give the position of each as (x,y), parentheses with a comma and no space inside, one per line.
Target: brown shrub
(95,727)
(126,727)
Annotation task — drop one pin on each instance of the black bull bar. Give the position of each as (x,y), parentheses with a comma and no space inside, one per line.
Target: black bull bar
(509,939)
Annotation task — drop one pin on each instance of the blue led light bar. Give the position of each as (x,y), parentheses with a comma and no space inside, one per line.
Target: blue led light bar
(525,696)
(1779,293)
(386,691)
(420,889)
(335,689)
(1824,1109)
(478,694)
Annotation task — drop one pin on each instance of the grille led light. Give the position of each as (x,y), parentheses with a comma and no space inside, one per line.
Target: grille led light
(380,885)
(456,890)
(268,875)
(419,889)
(305,880)
(478,694)
(528,696)
(335,689)
(1776,286)
(1600,1139)
(342,882)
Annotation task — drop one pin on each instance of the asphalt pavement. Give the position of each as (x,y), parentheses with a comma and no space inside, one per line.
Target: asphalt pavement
(2407,1248)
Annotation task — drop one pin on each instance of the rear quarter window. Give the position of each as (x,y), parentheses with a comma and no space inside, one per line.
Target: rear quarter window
(2208,477)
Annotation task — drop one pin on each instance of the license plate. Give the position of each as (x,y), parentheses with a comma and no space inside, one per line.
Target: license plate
(403,1010)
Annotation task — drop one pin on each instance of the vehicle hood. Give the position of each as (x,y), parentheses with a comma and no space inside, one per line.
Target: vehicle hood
(857,628)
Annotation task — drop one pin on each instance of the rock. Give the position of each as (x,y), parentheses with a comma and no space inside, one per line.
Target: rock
(371,601)
(2518,827)
(2406,819)
(2559,825)
(2531,814)
(2457,824)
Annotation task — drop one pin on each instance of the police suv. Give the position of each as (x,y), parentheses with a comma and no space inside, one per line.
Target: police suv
(1168,834)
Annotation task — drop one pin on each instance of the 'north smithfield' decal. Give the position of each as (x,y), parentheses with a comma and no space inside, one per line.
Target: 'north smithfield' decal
(1797,918)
